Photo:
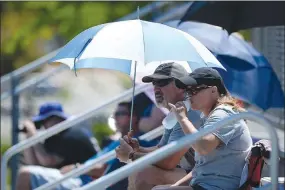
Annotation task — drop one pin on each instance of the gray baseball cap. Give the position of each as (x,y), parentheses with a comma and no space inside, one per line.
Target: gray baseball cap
(166,71)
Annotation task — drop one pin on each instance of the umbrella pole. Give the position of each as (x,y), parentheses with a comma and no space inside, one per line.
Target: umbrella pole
(133,97)
(130,133)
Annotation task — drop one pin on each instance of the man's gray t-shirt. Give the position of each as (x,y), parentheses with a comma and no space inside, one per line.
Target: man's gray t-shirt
(222,168)
(176,133)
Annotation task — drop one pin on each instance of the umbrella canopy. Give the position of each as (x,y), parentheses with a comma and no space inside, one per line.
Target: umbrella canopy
(118,45)
(233,50)
(237,15)
(259,86)
(257,83)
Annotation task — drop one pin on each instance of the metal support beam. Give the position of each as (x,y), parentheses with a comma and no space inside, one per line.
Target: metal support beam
(32,82)
(29,67)
(15,124)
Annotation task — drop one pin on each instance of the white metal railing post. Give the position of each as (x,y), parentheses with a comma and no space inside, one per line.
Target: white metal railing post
(137,165)
(100,160)
(33,82)
(29,67)
(60,127)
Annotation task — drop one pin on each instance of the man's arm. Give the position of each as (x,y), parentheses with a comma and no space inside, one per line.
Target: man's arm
(173,160)
(167,163)
(169,136)
(184,181)
(134,143)
(147,149)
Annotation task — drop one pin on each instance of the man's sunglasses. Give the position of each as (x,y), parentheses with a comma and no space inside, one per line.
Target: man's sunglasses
(195,90)
(121,113)
(161,82)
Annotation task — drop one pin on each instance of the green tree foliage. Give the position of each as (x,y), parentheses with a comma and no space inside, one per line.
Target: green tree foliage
(100,131)
(26,26)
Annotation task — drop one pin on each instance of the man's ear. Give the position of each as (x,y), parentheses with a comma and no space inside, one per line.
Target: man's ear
(214,89)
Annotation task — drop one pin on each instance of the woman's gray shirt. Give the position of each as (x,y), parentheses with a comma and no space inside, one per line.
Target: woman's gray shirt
(222,168)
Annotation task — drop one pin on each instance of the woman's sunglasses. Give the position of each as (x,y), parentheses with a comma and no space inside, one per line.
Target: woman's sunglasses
(161,82)
(195,90)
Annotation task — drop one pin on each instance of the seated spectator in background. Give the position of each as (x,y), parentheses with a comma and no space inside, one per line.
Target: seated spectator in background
(151,116)
(67,147)
(220,156)
(31,179)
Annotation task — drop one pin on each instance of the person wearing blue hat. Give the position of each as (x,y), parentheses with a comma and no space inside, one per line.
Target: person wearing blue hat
(48,110)
(33,177)
(71,146)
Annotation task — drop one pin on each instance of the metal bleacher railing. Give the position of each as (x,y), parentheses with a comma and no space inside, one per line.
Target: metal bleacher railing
(125,171)
(174,13)
(100,160)
(17,89)
(60,127)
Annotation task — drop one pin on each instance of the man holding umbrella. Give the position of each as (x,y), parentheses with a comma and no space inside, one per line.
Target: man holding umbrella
(171,168)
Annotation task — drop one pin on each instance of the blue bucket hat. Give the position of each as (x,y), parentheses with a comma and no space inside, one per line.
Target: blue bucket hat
(49,109)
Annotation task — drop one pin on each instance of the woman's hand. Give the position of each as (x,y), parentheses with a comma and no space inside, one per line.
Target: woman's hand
(179,109)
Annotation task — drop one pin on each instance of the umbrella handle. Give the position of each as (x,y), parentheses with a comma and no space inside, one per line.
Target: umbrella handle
(131,134)
(132,107)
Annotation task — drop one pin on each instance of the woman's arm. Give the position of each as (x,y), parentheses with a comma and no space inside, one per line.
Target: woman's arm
(206,144)
(203,146)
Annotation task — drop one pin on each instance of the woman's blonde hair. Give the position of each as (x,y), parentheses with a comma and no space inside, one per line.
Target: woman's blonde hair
(231,101)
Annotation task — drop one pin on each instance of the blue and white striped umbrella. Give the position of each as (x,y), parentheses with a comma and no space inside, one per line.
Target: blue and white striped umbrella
(231,49)
(246,67)
(118,45)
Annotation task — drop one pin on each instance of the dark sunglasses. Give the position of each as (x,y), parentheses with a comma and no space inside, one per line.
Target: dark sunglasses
(162,82)
(195,90)
(121,113)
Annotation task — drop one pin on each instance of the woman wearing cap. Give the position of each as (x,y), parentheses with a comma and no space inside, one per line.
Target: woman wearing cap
(220,156)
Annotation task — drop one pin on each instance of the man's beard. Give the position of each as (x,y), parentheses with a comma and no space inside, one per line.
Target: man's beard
(160,100)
